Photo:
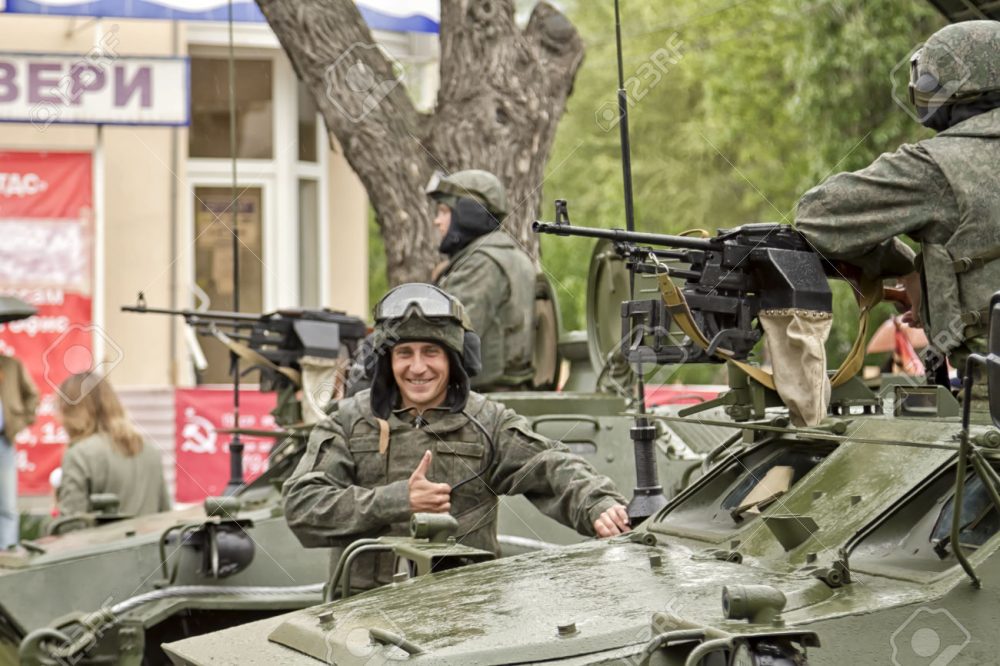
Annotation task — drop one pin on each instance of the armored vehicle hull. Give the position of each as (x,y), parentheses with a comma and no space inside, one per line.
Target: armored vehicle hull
(836,532)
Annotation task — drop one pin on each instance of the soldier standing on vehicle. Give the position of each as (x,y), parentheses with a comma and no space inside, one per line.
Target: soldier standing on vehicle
(420,441)
(489,273)
(943,192)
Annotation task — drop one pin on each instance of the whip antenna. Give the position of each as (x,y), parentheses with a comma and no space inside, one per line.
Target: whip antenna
(648,497)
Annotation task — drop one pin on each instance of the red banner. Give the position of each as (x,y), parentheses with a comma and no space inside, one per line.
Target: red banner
(203,452)
(45,259)
(680,394)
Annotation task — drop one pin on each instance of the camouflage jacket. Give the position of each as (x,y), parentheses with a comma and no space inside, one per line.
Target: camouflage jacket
(495,281)
(344,488)
(943,192)
(93,465)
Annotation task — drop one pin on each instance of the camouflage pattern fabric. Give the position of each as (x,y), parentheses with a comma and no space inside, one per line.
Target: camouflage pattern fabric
(476,184)
(344,489)
(943,192)
(495,281)
(958,62)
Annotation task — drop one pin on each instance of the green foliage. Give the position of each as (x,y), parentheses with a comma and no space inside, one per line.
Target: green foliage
(766,100)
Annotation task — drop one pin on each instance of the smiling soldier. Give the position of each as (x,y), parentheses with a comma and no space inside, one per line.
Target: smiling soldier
(420,441)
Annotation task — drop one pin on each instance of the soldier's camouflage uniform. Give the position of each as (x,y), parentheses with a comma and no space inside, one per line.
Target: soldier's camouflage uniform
(345,488)
(495,281)
(943,192)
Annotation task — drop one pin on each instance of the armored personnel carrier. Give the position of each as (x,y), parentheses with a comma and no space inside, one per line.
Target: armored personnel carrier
(105,588)
(868,538)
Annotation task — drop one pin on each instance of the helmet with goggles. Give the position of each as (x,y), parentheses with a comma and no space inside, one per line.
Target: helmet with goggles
(957,65)
(422,312)
(417,311)
(482,186)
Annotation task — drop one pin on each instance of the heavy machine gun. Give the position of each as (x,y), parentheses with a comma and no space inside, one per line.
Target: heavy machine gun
(727,281)
(287,347)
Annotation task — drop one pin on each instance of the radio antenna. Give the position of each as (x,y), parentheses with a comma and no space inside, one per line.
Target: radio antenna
(648,497)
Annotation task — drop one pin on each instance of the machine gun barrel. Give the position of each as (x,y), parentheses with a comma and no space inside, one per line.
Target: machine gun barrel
(622,236)
(196,316)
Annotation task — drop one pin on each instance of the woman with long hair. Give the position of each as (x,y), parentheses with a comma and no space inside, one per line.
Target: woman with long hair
(106,453)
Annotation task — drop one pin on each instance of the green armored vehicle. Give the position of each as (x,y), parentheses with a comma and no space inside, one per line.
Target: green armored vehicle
(863,539)
(105,588)
(121,586)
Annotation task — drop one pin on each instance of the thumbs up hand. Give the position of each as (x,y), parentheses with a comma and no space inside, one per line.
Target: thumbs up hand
(427,496)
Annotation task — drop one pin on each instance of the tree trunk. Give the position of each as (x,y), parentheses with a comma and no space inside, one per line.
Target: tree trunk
(503,91)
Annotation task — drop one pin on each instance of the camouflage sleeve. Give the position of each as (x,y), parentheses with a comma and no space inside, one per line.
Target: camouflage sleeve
(560,484)
(323,504)
(480,285)
(73,495)
(856,216)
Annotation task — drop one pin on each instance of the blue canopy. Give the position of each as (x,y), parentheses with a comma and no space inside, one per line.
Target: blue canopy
(390,15)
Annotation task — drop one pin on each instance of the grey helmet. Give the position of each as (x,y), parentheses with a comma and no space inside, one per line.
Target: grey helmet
(476,184)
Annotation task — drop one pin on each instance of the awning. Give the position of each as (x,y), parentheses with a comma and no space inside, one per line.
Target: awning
(389,15)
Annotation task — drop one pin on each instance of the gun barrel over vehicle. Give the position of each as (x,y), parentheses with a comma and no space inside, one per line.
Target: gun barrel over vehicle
(622,236)
(196,315)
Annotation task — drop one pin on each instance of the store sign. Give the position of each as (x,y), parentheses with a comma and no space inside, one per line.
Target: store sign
(202,452)
(45,260)
(99,87)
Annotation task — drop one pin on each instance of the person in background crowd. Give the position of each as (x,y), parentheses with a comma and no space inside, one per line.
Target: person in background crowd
(106,453)
(18,401)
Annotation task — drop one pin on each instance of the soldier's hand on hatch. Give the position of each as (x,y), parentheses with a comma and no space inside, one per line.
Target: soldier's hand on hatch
(427,496)
(613,521)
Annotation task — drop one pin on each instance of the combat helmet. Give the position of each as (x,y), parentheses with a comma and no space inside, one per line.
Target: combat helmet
(957,65)
(422,312)
(476,184)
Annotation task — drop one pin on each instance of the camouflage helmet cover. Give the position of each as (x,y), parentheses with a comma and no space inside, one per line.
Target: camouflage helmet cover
(422,312)
(476,184)
(957,64)
(417,311)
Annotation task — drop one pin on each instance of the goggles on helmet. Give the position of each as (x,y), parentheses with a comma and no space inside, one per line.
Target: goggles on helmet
(416,298)
(913,76)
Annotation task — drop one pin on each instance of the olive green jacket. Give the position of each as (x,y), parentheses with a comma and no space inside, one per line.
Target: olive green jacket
(345,489)
(18,396)
(495,281)
(93,465)
(943,192)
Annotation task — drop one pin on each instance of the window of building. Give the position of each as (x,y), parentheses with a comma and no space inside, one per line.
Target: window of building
(307,125)
(209,132)
(309,244)
(213,218)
